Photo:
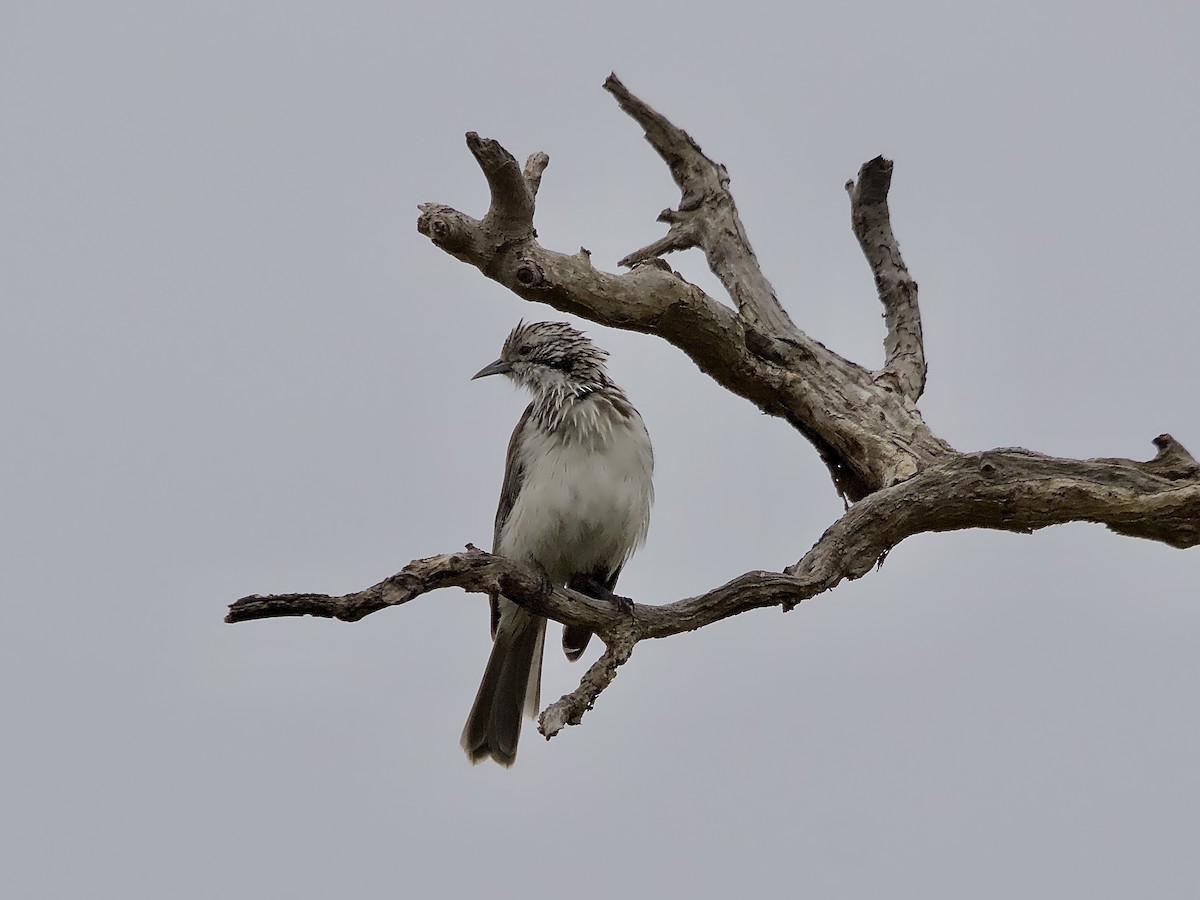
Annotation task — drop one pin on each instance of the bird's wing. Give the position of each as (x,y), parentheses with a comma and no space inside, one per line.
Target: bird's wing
(510,488)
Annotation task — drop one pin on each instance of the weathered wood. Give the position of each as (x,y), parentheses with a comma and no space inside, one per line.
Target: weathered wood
(707,218)
(866,427)
(1007,490)
(872,223)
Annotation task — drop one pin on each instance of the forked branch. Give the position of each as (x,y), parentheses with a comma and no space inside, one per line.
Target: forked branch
(707,218)
(867,432)
(865,425)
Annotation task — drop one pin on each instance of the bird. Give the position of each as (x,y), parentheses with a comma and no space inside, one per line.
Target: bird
(575,500)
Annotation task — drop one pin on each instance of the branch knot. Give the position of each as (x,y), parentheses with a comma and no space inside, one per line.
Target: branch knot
(529,274)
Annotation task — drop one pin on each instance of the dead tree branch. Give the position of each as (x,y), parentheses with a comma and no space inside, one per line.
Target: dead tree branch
(869,434)
(1007,490)
(707,218)
(865,425)
(872,222)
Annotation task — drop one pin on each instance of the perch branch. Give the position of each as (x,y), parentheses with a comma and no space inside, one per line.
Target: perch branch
(869,215)
(1006,489)
(472,569)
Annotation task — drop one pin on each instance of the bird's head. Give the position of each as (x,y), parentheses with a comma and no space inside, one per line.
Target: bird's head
(550,357)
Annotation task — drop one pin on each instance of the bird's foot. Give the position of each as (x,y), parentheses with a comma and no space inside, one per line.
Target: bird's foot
(624,604)
(592,587)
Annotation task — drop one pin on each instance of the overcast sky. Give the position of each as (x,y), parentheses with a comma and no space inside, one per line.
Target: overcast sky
(231,365)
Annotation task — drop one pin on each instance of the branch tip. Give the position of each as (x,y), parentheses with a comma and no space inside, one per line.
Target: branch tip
(676,238)
(535,165)
(1168,446)
(707,216)
(1172,461)
(510,214)
(870,218)
(613,84)
(874,181)
(570,708)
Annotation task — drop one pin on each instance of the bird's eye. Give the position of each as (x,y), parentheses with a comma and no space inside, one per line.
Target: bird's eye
(524,351)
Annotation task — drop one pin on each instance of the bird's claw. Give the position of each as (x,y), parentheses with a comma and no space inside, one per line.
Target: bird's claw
(624,604)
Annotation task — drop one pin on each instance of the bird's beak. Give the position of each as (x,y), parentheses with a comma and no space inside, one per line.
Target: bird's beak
(499,367)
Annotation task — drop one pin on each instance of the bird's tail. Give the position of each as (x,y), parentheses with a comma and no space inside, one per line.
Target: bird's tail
(511,685)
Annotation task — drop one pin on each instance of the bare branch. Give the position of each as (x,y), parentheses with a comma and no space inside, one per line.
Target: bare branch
(511,210)
(472,569)
(679,237)
(1006,489)
(707,217)
(869,434)
(455,232)
(1172,460)
(1017,490)
(866,433)
(535,165)
(648,299)
(871,219)
(569,709)
(865,426)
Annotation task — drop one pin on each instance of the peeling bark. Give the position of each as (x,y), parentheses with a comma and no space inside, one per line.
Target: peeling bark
(901,478)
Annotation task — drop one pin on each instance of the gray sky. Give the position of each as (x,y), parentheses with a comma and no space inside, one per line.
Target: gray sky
(231,365)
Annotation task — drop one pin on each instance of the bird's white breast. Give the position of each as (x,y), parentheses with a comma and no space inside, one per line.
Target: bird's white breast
(584,500)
